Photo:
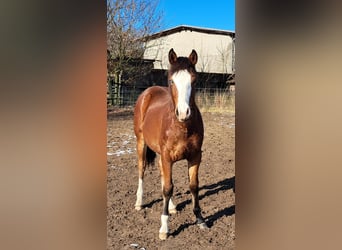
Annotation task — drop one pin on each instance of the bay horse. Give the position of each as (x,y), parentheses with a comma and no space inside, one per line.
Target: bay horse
(168,122)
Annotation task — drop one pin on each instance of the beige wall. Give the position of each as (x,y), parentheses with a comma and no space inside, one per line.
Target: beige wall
(214,51)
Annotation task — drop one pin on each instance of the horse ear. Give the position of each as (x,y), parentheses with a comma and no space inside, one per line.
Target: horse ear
(172,56)
(193,57)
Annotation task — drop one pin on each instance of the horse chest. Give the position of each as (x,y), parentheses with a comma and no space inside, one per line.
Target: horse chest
(178,144)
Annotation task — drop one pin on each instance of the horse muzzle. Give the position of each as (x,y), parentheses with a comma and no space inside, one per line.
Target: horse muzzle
(183,114)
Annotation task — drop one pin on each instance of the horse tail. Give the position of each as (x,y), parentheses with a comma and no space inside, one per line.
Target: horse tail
(150,156)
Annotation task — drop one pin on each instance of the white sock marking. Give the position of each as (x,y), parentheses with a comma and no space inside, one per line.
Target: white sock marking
(140,192)
(171,205)
(164,224)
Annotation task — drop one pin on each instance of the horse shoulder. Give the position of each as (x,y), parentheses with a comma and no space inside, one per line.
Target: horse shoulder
(146,100)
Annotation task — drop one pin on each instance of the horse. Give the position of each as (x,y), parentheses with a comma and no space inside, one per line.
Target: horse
(168,122)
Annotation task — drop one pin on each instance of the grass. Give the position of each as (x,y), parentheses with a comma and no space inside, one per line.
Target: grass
(215,101)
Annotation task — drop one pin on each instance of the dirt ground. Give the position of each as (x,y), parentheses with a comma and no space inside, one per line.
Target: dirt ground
(131,229)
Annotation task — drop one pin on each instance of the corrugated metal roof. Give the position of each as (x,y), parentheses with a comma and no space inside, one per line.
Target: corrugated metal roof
(191,28)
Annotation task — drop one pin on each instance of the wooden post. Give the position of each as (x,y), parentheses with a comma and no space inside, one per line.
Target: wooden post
(115,89)
(110,90)
(119,88)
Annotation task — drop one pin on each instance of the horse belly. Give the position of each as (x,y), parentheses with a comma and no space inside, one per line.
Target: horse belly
(151,130)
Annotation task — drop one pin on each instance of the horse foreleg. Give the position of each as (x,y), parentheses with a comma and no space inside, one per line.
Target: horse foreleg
(172,206)
(193,178)
(167,189)
(141,150)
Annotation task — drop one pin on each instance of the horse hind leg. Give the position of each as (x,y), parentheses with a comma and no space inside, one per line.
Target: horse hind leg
(145,157)
(143,160)
(172,207)
(193,178)
(141,151)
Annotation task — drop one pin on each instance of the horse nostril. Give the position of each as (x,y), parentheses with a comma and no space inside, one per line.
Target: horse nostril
(177,114)
(188,112)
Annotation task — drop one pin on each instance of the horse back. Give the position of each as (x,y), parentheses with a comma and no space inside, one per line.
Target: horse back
(151,106)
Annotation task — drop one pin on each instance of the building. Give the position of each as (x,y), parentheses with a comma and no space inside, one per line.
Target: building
(215,65)
(215,49)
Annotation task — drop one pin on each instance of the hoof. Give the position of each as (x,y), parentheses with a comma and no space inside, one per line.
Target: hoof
(203,225)
(138,208)
(173,211)
(163,236)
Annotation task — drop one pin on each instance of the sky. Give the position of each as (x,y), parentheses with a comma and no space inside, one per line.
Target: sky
(216,14)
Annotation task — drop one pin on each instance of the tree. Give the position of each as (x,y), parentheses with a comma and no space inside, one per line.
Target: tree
(128,21)
(226,55)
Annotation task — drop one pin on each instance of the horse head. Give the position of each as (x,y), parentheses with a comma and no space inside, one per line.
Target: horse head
(181,77)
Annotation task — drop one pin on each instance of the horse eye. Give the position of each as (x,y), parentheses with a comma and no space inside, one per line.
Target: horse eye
(170,82)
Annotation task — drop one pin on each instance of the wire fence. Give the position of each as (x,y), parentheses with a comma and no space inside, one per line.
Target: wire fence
(207,99)
(122,95)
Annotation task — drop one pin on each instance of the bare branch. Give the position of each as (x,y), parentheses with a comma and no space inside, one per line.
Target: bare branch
(127,22)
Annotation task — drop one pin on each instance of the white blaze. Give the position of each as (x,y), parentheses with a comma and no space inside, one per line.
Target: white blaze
(182,80)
